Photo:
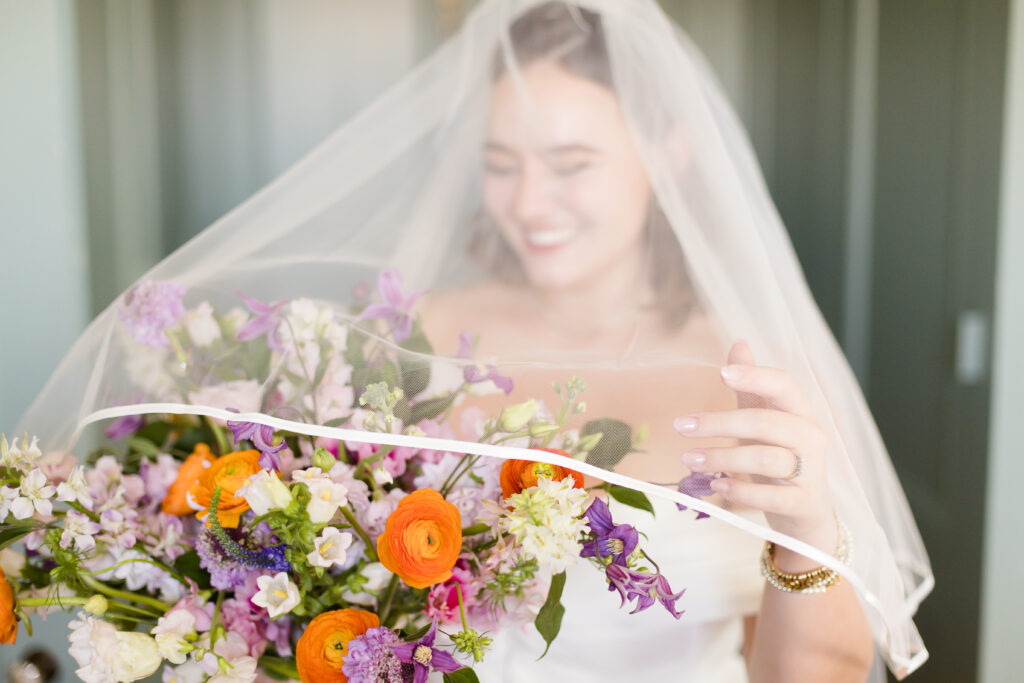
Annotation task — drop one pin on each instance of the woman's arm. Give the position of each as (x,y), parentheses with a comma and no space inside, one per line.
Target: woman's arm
(795,637)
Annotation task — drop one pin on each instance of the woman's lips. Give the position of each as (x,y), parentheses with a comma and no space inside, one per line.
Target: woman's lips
(548,240)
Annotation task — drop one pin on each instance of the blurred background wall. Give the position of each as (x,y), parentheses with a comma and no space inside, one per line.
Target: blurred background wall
(891,133)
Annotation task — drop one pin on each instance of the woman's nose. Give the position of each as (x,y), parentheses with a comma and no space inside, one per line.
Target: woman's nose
(533,195)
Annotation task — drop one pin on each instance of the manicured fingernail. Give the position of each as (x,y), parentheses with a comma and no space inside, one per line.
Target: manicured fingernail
(731,373)
(685,424)
(694,458)
(720,485)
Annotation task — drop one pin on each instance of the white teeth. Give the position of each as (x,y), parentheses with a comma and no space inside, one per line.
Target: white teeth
(549,238)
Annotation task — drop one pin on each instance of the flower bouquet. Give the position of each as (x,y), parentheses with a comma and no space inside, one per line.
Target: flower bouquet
(233,547)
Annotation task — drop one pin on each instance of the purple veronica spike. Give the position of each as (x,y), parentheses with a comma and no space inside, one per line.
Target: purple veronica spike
(617,541)
(697,485)
(262,436)
(265,322)
(424,656)
(395,305)
(644,587)
(480,373)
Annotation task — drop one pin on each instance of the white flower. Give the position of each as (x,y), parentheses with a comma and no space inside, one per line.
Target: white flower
(241,670)
(330,548)
(136,657)
(35,495)
(382,476)
(265,492)
(201,325)
(11,562)
(545,521)
(75,488)
(93,644)
(25,455)
(325,495)
(277,594)
(171,632)
(230,661)
(515,417)
(243,395)
(79,530)
(189,672)
(377,577)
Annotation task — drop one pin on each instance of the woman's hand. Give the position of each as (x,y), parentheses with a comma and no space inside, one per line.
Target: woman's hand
(780,458)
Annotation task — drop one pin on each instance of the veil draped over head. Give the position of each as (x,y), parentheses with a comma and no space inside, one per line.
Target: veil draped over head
(434,191)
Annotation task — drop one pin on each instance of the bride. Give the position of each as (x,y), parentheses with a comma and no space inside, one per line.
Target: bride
(570,233)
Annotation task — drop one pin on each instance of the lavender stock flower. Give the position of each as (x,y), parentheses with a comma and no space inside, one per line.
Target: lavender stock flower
(644,587)
(697,485)
(124,426)
(265,322)
(396,306)
(370,658)
(475,373)
(615,540)
(148,308)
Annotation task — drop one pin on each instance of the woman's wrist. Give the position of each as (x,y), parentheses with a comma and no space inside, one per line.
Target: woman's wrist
(824,535)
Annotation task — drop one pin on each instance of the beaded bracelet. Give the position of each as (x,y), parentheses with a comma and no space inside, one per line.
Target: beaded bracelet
(815,581)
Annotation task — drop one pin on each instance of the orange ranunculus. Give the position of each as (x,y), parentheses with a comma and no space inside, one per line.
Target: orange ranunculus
(322,648)
(8,622)
(422,539)
(176,502)
(517,475)
(228,472)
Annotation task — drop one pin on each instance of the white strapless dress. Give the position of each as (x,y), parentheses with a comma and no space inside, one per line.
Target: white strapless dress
(599,641)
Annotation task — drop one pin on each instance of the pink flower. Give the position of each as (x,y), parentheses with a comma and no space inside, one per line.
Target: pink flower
(443,599)
(435,430)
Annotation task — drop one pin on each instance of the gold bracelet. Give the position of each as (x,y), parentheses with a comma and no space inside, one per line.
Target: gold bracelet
(815,581)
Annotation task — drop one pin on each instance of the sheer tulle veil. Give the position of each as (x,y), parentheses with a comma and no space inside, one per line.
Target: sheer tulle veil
(399,190)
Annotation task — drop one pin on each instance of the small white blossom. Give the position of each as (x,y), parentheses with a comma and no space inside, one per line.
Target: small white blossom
(189,672)
(201,325)
(265,492)
(79,530)
(277,594)
(23,456)
(35,494)
(136,657)
(325,495)
(377,577)
(382,476)
(331,548)
(75,488)
(11,562)
(545,521)
(171,633)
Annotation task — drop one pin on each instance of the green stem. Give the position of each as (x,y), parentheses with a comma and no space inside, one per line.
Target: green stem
(389,596)
(280,666)
(371,551)
(155,563)
(462,610)
(216,619)
(88,513)
(99,587)
(218,435)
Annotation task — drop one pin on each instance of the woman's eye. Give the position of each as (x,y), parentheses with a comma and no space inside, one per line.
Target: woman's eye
(499,169)
(571,169)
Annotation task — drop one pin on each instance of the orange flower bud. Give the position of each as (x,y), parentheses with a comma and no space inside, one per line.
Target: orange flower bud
(322,648)
(422,539)
(176,502)
(228,473)
(517,475)
(8,622)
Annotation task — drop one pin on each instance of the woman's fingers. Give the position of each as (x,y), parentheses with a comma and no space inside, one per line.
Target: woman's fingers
(771,385)
(788,501)
(755,459)
(774,427)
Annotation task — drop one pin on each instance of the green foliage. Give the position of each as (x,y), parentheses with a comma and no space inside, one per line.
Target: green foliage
(549,619)
(630,497)
(613,446)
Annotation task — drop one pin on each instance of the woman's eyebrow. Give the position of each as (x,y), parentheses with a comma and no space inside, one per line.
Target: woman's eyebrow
(497,147)
(570,148)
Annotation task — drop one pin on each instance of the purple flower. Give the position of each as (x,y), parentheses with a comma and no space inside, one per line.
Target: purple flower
(231,563)
(610,539)
(265,322)
(424,656)
(262,436)
(480,373)
(124,426)
(148,308)
(370,658)
(396,306)
(645,587)
(698,485)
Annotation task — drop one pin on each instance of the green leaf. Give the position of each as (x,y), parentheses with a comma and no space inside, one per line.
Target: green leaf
(463,675)
(549,619)
(364,377)
(414,368)
(613,446)
(144,446)
(12,534)
(354,348)
(630,497)
(337,422)
(188,565)
(476,529)
(192,437)
(431,408)
(156,432)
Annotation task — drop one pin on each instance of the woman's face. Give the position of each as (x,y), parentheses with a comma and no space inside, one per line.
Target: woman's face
(562,177)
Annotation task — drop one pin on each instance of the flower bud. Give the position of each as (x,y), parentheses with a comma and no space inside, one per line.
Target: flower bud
(515,417)
(97,605)
(264,492)
(540,430)
(323,459)
(588,442)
